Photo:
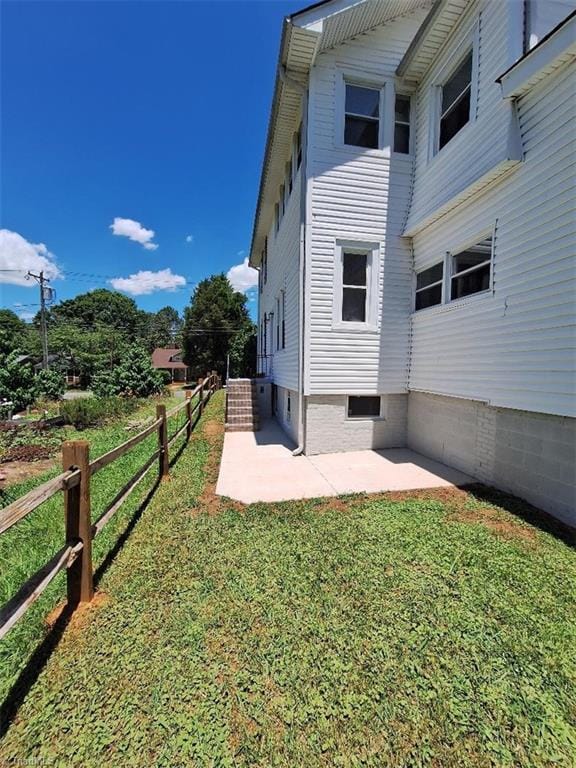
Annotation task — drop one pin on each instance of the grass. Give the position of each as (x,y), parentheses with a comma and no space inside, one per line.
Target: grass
(31,543)
(365,631)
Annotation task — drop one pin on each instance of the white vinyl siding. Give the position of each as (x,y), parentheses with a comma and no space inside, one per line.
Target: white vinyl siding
(350,190)
(280,293)
(484,148)
(513,347)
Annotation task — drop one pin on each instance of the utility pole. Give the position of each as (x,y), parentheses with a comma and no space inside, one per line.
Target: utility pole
(43,327)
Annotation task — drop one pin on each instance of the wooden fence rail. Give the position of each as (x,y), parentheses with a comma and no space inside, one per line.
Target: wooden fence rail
(74,481)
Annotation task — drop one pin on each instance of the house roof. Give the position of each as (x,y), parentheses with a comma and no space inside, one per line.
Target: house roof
(305,34)
(162,358)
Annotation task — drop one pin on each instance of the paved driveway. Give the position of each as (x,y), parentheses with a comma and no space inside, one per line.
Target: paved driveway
(259,466)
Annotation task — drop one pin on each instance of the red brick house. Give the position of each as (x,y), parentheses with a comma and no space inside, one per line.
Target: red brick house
(171,360)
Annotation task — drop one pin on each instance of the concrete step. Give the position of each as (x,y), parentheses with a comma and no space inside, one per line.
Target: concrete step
(241,418)
(241,410)
(241,428)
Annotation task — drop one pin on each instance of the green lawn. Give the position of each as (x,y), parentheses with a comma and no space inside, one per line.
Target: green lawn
(356,632)
(31,543)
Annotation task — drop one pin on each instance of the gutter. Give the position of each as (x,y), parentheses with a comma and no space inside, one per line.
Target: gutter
(302,276)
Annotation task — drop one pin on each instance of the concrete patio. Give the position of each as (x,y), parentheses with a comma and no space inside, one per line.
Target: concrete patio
(259,466)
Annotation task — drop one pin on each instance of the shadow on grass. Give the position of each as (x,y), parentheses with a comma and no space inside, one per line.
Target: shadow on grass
(34,666)
(523,510)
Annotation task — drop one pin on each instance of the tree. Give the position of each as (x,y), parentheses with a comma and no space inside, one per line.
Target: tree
(50,383)
(13,332)
(216,323)
(134,376)
(101,309)
(165,328)
(17,382)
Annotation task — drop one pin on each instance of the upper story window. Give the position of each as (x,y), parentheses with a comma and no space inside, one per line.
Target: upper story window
(429,286)
(265,262)
(283,325)
(470,270)
(456,99)
(298,152)
(362,116)
(289,178)
(276,218)
(402,124)
(282,201)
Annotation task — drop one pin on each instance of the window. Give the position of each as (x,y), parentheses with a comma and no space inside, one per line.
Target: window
(283,329)
(289,179)
(429,286)
(288,407)
(354,287)
(364,407)
(362,116)
(299,147)
(276,218)
(277,324)
(282,201)
(470,270)
(402,125)
(455,101)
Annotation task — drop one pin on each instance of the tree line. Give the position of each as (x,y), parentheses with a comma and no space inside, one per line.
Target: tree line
(102,334)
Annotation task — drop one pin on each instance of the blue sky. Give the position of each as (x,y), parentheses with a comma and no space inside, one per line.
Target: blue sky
(150,111)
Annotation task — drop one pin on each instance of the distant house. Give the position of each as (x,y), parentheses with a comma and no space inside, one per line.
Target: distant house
(170,360)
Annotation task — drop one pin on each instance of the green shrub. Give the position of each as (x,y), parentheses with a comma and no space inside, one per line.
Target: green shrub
(50,384)
(17,383)
(133,377)
(93,411)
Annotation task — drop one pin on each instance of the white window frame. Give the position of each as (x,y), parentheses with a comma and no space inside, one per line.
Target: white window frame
(385,86)
(372,251)
(411,124)
(441,282)
(470,43)
(449,274)
(381,416)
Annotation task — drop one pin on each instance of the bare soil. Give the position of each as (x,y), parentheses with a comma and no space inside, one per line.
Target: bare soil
(14,472)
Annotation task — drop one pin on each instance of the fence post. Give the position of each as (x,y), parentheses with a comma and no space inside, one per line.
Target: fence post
(80,583)
(201,397)
(163,461)
(188,414)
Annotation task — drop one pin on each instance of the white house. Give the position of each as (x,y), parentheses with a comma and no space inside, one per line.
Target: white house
(415,236)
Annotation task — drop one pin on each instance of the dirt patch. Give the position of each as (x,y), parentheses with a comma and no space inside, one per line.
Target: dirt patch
(495,522)
(213,431)
(14,472)
(81,615)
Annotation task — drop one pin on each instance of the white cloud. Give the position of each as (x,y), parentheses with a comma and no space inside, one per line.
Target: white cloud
(189,238)
(16,253)
(25,315)
(145,282)
(134,231)
(242,276)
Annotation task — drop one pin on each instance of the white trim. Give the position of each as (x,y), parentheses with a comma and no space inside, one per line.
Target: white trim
(346,77)
(531,68)
(372,251)
(470,43)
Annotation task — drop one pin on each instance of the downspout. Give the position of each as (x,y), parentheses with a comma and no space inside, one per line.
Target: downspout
(302,276)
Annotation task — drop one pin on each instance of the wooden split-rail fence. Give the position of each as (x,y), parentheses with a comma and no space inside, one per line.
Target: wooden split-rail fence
(76,555)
